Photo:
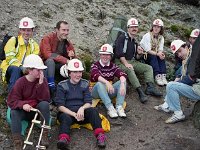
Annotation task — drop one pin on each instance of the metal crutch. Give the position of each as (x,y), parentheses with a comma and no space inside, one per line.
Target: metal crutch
(34,121)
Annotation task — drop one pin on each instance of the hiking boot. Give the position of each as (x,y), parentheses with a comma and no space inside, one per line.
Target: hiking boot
(120,112)
(45,138)
(112,112)
(63,144)
(151,90)
(142,96)
(18,142)
(101,140)
(164,80)
(158,79)
(175,118)
(161,108)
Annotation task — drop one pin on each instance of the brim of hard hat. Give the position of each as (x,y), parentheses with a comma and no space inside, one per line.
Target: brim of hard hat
(132,26)
(76,70)
(105,53)
(41,67)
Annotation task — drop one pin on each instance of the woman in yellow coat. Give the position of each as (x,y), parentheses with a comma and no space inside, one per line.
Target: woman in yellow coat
(11,66)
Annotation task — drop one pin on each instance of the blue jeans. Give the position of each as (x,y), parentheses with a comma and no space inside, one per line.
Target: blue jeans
(158,65)
(100,91)
(17,115)
(12,74)
(176,89)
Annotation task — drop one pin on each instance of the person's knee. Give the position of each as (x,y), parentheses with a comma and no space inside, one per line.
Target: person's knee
(91,111)
(65,118)
(43,106)
(50,62)
(100,85)
(170,85)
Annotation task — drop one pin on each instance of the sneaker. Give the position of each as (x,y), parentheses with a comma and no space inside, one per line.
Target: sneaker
(112,112)
(164,80)
(175,118)
(161,108)
(120,112)
(159,80)
(101,140)
(63,144)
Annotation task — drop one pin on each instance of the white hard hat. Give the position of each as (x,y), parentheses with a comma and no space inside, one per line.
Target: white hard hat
(175,45)
(195,33)
(34,61)
(75,65)
(106,49)
(158,22)
(132,22)
(26,23)
(64,71)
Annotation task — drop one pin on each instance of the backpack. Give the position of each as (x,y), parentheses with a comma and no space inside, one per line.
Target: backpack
(2,45)
(119,27)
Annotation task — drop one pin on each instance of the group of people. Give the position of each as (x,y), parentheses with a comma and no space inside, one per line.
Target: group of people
(73,96)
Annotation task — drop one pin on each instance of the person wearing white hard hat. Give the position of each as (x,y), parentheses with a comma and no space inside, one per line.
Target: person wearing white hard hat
(127,60)
(56,51)
(182,86)
(103,73)
(153,43)
(73,100)
(193,36)
(11,66)
(29,91)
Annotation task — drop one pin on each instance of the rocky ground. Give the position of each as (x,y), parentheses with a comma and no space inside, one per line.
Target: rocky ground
(90,21)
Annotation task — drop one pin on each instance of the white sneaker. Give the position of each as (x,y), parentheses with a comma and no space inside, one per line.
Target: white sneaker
(161,108)
(112,112)
(159,80)
(175,118)
(164,80)
(120,112)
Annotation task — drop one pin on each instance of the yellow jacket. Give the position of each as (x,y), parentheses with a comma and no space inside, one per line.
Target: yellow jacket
(15,56)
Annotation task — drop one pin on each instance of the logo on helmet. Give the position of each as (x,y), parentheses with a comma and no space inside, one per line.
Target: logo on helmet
(157,22)
(196,33)
(25,23)
(76,65)
(104,48)
(173,47)
(133,22)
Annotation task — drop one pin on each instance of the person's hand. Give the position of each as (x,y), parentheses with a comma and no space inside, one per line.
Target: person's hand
(140,50)
(27,107)
(161,55)
(41,79)
(129,66)
(71,54)
(80,114)
(110,88)
(122,89)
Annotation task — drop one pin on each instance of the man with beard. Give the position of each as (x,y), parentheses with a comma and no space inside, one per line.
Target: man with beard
(56,50)
(127,60)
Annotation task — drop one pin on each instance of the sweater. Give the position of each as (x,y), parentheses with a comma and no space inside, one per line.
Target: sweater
(73,96)
(107,72)
(26,92)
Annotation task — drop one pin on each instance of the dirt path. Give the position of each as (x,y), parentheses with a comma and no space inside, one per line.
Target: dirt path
(143,129)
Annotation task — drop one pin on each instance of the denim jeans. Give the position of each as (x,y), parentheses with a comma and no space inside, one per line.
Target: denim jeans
(158,65)
(173,92)
(100,91)
(12,74)
(17,115)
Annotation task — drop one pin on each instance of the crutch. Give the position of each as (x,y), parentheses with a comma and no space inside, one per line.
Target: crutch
(34,121)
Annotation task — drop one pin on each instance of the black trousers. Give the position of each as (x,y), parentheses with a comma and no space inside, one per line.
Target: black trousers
(91,115)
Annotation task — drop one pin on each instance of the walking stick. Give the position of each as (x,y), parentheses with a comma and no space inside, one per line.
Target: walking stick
(34,121)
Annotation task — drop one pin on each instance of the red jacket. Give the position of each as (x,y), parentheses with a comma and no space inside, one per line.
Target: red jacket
(48,45)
